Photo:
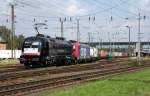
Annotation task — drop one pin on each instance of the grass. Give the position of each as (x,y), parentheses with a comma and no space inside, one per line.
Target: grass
(129,62)
(134,84)
(9,62)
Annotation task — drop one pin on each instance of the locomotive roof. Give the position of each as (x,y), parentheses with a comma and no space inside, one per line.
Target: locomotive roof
(59,41)
(54,40)
(35,38)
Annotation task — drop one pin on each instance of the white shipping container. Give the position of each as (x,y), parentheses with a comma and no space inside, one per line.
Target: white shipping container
(95,52)
(119,54)
(115,54)
(91,51)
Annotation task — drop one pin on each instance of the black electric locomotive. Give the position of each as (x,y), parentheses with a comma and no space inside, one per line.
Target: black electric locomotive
(42,50)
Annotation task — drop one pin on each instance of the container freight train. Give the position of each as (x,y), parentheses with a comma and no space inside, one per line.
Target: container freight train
(42,50)
(107,54)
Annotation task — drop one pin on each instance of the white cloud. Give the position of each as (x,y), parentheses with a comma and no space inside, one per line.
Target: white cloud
(5,13)
(142,6)
(75,9)
(72,9)
(63,8)
(9,1)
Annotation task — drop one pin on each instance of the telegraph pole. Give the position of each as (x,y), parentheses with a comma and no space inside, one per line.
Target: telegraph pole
(148,42)
(99,40)
(101,43)
(13,31)
(129,44)
(89,37)
(113,42)
(129,41)
(62,28)
(78,30)
(139,41)
(110,47)
(92,38)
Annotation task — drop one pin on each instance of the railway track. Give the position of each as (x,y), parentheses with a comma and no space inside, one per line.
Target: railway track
(16,68)
(27,75)
(54,70)
(11,69)
(63,80)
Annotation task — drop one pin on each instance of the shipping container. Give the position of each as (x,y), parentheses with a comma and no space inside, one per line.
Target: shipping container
(8,54)
(110,54)
(119,54)
(102,54)
(91,51)
(125,54)
(95,52)
(115,54)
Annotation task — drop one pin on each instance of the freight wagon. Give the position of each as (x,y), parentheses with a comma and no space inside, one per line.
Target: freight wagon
(93,53)
(102,54)
(81,52)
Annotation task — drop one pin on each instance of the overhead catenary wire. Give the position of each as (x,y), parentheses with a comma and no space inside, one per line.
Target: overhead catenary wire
(54,7)
(107,9)
(50,19)
(131,4)
(116,7)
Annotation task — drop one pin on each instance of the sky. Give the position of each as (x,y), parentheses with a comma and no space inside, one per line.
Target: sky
(104,20)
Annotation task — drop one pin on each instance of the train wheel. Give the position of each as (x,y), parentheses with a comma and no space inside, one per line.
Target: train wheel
(50,63)
(74,62)
(69,62)
(43,64)
(59,62)
(46,64)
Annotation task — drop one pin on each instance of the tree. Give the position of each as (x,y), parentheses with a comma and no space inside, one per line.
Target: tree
(6,35)
(20,41)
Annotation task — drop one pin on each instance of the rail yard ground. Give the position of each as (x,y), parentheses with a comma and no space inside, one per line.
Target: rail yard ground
(16,80)
(74,48)
(133,84)
(9,62)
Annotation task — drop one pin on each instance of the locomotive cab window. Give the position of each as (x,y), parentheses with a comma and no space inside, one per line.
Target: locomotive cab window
(36,44)
(31,47)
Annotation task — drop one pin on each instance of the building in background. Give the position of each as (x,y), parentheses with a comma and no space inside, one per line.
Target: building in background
(2,44)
